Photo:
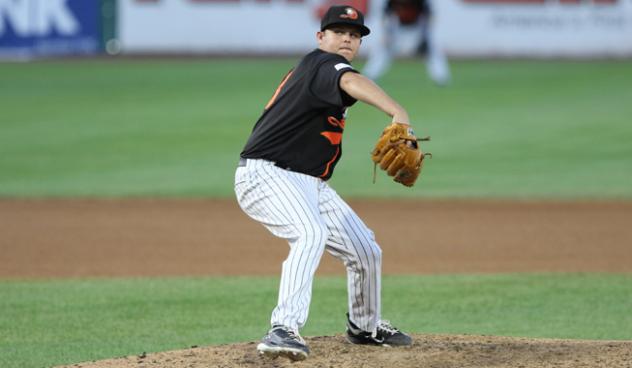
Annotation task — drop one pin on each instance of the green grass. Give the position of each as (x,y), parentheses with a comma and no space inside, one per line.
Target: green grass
(175,128)
(46,323)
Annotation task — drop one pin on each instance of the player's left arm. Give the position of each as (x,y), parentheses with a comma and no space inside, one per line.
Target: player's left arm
(362,88)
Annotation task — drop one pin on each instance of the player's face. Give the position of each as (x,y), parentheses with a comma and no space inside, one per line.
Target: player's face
(342,40)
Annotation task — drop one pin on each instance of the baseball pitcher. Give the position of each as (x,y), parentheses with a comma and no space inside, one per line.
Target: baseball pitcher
(281,182)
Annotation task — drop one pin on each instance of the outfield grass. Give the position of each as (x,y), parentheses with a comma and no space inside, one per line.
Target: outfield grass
(175,128)
(47,323)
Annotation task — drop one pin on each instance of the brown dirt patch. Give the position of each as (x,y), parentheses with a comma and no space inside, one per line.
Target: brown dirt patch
(432,351)
(145,237)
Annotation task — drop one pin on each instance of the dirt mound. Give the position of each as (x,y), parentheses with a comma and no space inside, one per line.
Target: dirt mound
(433,351)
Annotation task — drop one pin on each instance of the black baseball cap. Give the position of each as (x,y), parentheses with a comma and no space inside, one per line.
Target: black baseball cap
(344,15)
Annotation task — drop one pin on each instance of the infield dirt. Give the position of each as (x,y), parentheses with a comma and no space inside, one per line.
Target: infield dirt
(152,237)
(168,237)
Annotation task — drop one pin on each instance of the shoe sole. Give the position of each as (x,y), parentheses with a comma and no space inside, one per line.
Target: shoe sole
(355,341)
(274,352)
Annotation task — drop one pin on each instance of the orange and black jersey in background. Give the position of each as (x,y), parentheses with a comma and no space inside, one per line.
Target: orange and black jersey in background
(301,126)
(408,11)
(421,6)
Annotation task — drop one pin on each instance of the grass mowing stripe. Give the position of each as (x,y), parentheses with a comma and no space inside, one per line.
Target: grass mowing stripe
(174,128)
(46,323)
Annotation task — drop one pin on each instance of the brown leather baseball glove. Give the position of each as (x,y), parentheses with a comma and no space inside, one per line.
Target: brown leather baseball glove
(398,153)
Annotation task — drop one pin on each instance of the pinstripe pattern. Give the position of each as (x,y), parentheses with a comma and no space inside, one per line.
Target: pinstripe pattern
(313,218)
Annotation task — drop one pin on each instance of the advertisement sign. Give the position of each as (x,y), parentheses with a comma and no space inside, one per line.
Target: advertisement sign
(535,28)
(219,26)
(470,28)
(32,28)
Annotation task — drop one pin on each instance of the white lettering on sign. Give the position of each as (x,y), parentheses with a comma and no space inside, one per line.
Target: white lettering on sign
(55,13)
(15,12)
(37,17)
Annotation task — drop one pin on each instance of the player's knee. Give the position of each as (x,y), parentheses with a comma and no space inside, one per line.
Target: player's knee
(376,255)
(377,252)
(314,234)
(368,261)
(373,247)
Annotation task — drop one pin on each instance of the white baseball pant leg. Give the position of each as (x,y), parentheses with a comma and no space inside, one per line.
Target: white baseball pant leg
(382,52)
(437,65)
(311,216)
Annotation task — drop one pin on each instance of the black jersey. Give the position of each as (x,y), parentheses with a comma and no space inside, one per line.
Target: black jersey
(301,127)
(409,11)
(423,6)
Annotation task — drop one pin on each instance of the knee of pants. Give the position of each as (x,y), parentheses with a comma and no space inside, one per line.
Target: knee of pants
(367,260)
(376,253)
(373,248)
(313,235)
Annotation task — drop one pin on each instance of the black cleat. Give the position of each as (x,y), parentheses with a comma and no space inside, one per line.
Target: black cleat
(386,335)
(283,341)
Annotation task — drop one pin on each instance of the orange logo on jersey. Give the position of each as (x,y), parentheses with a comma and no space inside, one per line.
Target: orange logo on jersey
(335,122)
(333,137)
(351,14)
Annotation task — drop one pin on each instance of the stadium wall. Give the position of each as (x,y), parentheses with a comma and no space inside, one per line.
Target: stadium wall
(464,28)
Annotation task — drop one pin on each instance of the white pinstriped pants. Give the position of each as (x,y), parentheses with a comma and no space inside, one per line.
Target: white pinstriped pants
(312,217)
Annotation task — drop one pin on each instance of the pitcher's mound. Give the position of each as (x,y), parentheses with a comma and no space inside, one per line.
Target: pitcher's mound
(432,351)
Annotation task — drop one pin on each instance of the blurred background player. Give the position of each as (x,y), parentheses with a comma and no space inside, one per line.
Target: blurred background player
(406,25)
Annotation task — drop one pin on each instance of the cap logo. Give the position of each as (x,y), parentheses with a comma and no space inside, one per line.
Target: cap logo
(350,14)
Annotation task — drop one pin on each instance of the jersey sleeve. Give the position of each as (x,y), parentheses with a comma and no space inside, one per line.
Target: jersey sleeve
(326,83)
